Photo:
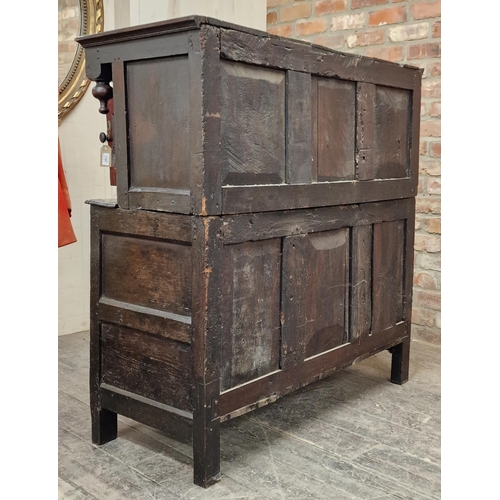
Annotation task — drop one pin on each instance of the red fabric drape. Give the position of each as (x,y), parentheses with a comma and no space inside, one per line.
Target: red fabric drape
(66,233)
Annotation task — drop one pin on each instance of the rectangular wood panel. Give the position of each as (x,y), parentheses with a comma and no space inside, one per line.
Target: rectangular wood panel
(253,124)
(388,285)
(147,365)
(327,290)
(158,122)
(335,129)
(146,272)
(250,311)
(392,137)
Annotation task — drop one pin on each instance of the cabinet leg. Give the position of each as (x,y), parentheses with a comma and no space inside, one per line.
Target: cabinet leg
(400,362)
(206,438)
(104,426)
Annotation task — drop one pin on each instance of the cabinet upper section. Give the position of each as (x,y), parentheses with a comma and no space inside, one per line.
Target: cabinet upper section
(212,118)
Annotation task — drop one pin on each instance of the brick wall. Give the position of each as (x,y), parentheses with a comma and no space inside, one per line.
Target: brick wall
(403,31)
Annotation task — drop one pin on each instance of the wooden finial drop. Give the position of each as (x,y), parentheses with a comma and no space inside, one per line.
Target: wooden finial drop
(104,92)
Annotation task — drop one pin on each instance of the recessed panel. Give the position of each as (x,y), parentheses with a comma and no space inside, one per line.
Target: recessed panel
(253,124)
(147,272)
(250,311)
(327,283)
(392,138)
(335,129)
(157,113)
(388,275)
(147,365)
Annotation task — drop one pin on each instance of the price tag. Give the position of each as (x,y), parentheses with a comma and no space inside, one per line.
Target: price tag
(105,156)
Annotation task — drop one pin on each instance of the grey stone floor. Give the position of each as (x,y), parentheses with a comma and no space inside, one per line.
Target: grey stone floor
(353,435)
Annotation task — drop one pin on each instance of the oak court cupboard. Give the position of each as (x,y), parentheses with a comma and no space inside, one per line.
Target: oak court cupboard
(262,235)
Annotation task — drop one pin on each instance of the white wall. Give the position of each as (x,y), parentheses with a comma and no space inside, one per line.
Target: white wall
(79,136)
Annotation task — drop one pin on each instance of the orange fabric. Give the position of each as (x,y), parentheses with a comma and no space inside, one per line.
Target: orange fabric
(66,233)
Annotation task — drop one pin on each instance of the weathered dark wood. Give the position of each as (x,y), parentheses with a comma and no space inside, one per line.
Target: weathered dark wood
(157,116)
(365,131)
(294,55)
(211,197)
(265,235)
(169,325)
(148,273)
(174,228)
(120,134)
(361,281)
(327,288)
(253,129)
(250,311)
(283,382)
(298,119)
(388,265)
(400,365)
(244,199)
(336,100)
(265,225)
(392,132)
(144,364)
(104,422)
(293,300)
(175,423)
(206,342)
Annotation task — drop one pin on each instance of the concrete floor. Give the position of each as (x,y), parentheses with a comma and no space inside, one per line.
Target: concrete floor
(353,435)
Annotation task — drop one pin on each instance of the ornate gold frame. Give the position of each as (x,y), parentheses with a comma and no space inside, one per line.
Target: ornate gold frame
(75,83)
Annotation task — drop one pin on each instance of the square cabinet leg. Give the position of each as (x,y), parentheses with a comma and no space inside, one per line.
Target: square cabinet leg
(104,426)
(206,439)
(400,362)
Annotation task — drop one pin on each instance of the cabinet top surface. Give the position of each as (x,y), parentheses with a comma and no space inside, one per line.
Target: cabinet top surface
(195,22)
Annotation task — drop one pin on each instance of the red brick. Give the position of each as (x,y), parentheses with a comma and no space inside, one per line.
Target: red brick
(359,4)
(424,317)
(423,109)
(310,27)
(430,261)
(329,6)
(349,21)
(433,186)
(420,186)
(430,128)
(423,10)
(424,50)
(436,30)
(336,41)
(275,3)
(431,88)
(433,225)
(435,69)
(429,243)
(435,149)
(387,16)
(435,109)
(428,205)
(423,148)
(394,54)
(430,167)
(404,33)
(418,223)
(272,18)
(426,334)
(425,299)
(296,12)
(425,279)
(284,30)
(366,38)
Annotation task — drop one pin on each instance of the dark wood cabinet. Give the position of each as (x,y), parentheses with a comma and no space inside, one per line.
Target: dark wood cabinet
(262,235)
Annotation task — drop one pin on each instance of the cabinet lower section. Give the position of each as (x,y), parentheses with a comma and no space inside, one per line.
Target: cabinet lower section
(196,320)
